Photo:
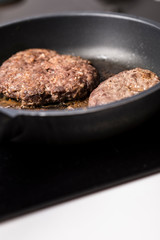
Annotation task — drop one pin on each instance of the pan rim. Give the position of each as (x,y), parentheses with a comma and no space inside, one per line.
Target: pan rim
(131,17)
(80,111)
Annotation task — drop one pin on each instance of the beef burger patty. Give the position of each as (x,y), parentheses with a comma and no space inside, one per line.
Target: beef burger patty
(122,85)
(41,76)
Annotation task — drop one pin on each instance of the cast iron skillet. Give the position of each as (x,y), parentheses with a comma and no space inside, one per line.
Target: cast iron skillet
(120,39)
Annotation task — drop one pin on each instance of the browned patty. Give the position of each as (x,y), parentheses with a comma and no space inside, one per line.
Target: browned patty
(40,76)
(122,85)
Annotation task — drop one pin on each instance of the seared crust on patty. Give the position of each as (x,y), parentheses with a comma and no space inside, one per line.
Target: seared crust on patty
(122,85)
(41,76)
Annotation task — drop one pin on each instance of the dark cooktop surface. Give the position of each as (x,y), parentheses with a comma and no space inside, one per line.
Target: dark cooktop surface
(34,176)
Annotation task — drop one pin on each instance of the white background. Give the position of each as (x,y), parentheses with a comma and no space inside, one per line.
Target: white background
(129,212)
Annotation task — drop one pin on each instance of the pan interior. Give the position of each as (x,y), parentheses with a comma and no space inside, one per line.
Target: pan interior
(112,42)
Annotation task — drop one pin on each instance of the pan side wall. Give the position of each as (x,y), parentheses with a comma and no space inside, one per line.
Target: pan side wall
(121,40)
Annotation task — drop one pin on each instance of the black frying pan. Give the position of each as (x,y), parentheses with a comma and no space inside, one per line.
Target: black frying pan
(121,41)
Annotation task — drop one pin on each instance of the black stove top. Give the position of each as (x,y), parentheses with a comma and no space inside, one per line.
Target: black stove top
(34,176)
